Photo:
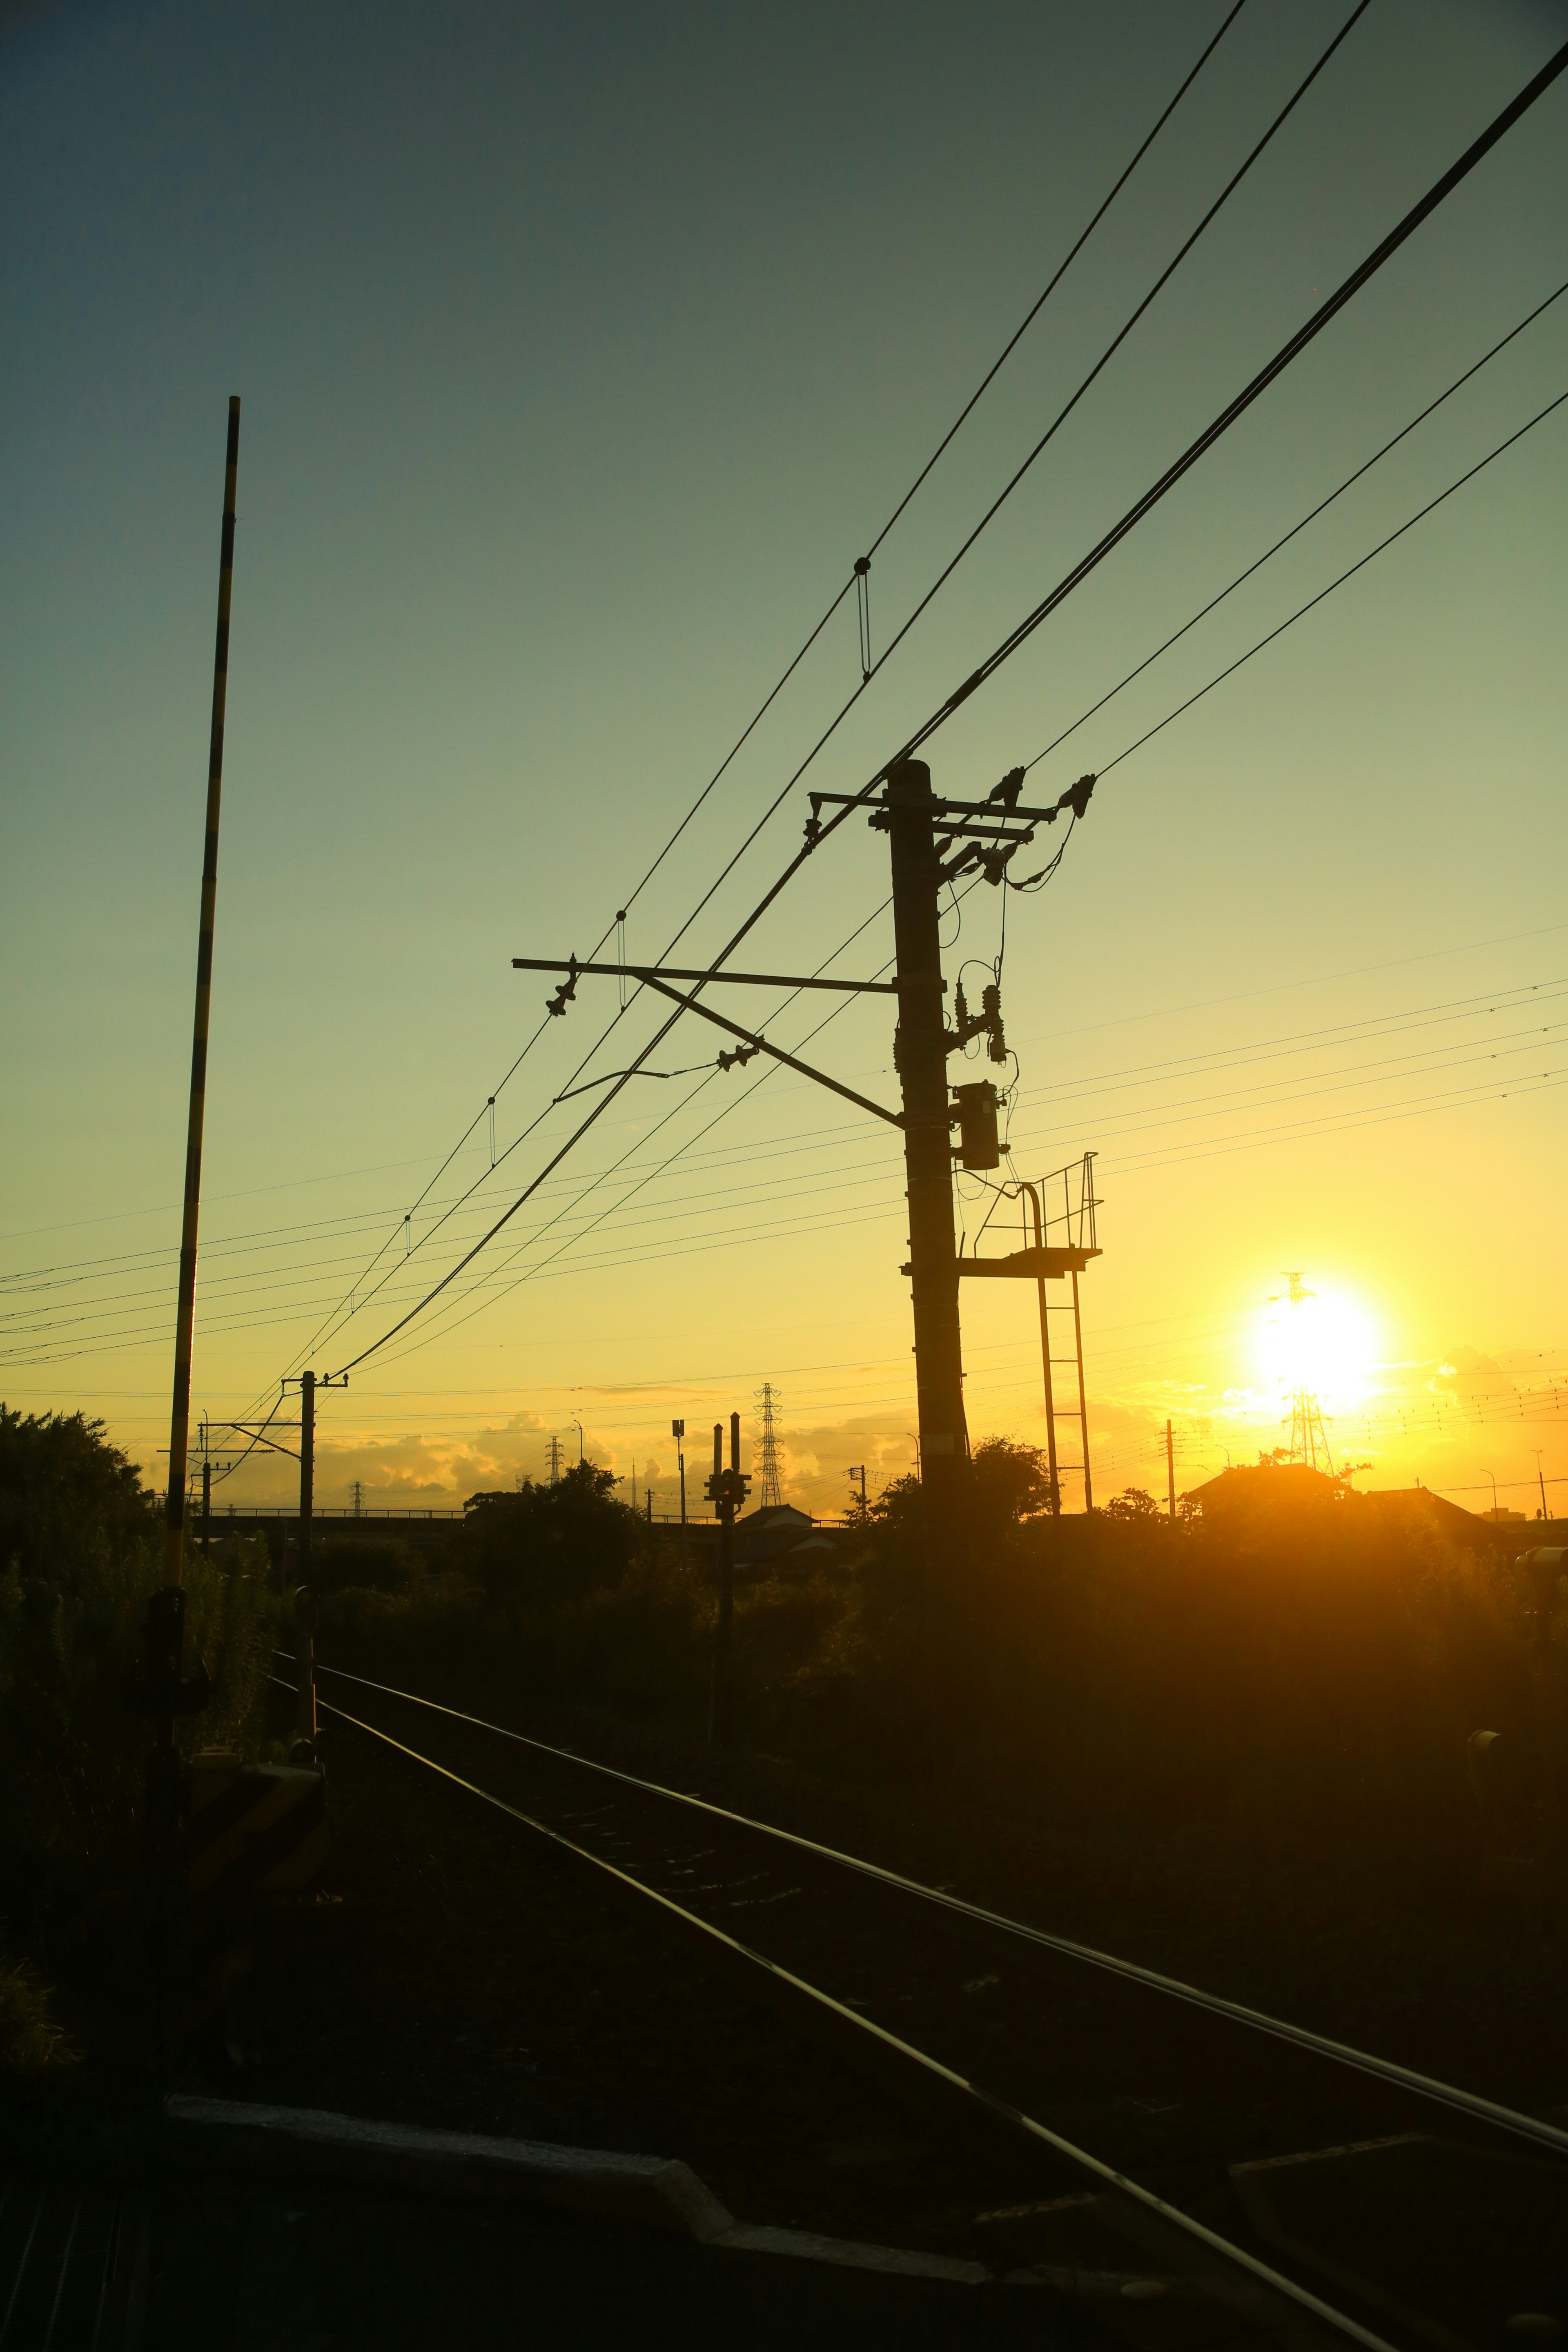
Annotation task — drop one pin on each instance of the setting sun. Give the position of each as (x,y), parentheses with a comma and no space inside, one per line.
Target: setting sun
(1323,1342)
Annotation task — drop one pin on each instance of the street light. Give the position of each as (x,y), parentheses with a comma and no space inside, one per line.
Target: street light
(1491,1475)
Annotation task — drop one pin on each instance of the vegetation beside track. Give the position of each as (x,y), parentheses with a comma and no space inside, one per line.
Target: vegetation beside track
(1233,1745)
(1307,1665)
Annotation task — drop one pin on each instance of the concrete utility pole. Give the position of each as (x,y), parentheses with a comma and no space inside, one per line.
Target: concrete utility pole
(986,833)
(305,1599)
(1170,1467)
(921,1056)
(306,1469)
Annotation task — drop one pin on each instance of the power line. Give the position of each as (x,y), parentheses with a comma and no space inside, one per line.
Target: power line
(1312,601)
(1121,336)
(811,639)
(1228,417)
(1136,1078)
(1259,562)
(1289,350)
(1072,254)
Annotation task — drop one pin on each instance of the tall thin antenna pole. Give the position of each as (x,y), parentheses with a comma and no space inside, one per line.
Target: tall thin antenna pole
(184,1322)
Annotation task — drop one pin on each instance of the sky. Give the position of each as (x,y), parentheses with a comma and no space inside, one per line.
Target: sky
(581,352)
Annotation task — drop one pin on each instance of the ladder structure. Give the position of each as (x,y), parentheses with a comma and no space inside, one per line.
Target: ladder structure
(1062,1207)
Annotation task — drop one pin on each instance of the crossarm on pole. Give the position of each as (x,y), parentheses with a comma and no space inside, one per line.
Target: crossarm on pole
(749,1038)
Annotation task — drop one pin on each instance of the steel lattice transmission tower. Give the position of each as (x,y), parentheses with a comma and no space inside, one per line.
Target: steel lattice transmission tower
(1308,1438)
(769,1497)
(556,1449)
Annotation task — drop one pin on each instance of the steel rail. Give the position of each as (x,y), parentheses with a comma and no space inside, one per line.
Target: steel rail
(1406,2078)
(890,2046)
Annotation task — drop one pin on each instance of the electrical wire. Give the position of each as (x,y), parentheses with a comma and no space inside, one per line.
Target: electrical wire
(1360,565)
(747,731)
(1323,504)
(1289,350)
(1298,342)
(1137,1078)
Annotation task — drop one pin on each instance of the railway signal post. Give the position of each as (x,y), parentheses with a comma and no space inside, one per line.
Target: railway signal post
(726,1490)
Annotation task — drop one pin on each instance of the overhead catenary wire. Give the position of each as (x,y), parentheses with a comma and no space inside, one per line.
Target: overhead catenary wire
(856,577)
(1297,528)
(1430,506)
(1053,1101)
(1313,602)
(1359,277)
(1289,351)
(817,748)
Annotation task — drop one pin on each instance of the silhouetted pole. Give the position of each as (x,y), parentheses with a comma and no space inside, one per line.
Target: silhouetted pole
(185,1311)
(1170,1467)
(166,1691)
(207,1502)
(304,1600)
(677,1430)
(726,1490)
(921,1057)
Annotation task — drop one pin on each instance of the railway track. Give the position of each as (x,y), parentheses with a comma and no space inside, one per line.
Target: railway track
(1208,2174)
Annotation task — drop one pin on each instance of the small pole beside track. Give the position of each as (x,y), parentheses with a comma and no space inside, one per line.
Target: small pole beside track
(727,1489)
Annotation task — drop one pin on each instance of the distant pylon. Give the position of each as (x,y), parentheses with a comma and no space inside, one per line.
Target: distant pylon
(1308,1438)
(769,1497)
(555,1452)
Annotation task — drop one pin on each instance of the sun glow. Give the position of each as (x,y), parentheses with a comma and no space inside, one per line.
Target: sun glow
(1322,1343)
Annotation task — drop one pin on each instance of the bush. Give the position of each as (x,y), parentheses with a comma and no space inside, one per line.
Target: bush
(83,1552)
(32,2041)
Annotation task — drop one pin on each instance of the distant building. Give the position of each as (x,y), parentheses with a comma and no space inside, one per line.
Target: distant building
(778,1536)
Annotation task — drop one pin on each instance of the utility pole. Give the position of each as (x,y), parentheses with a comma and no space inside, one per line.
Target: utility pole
(305,1597)
(1170,1467)
(727,1489)
(207,1501)
(857,1470)
(1540,1476)
(167,1691)
(931,841)
(919,1053)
